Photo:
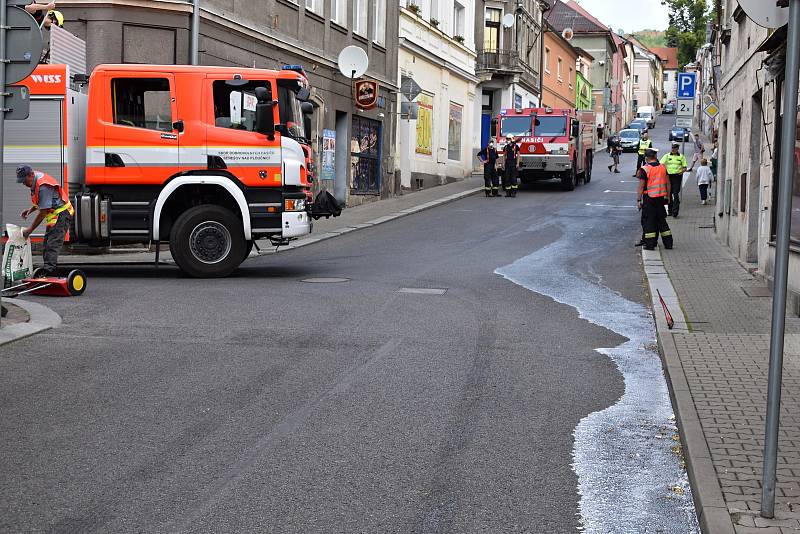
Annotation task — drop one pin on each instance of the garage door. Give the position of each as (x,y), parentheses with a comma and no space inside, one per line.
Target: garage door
(36,141)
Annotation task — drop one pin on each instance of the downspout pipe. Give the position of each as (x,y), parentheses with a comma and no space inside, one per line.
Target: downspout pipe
(194,49)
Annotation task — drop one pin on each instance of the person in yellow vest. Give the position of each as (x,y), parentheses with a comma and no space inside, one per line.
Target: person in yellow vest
(676,165)
(652,196)
(644,143)
(50,200)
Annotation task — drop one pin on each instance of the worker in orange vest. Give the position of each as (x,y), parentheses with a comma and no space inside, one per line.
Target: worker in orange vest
(652,197)
(54,207)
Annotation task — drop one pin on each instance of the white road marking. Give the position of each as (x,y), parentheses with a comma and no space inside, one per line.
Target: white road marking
(609,206)
(612,191)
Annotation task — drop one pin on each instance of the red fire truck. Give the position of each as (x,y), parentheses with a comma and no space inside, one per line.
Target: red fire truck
(554,143)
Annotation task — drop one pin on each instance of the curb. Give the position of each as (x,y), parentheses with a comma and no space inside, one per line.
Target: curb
(712,512)
(42,319)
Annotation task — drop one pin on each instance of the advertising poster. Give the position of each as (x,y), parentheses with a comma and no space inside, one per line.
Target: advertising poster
(328,154)
(425,125)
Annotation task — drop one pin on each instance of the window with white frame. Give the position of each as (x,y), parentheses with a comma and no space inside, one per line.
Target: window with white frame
(547,60)
(459,16)
(558,68)
(360,17)
(339,12)
(315,5)
(379,26)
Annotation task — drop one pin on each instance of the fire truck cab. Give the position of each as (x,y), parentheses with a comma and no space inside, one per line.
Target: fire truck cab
(208,159)
(554,143)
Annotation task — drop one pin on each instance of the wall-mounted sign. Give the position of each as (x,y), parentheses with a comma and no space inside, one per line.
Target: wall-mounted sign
(366,94)
(328,154)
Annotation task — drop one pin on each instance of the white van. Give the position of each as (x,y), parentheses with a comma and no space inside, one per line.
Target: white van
(648,113)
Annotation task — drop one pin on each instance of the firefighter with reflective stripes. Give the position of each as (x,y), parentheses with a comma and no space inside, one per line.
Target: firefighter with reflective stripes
(491,181)
(644,143)
(54,207)
(676,165)
(511,154)
(653,194)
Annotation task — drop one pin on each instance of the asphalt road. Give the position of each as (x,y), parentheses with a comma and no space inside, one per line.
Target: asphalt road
(261,403)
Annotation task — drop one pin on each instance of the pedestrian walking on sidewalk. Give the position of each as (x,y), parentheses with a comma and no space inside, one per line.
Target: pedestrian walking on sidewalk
(675,162)
(614,150)
(511,153)
(704,179)
(644,143)
(491,181)
(652,196)
(714,160)
(51,202)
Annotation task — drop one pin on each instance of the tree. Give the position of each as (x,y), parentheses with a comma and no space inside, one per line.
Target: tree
(687,27)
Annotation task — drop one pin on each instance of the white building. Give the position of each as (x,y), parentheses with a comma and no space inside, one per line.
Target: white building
(669,63)
(438,140)
(647,77)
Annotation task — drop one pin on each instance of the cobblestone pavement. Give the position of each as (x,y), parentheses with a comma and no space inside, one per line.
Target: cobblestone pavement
(724,356)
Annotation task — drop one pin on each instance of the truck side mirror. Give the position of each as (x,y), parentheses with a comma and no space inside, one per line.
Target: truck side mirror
(303,94)
(265,117)
(575,132)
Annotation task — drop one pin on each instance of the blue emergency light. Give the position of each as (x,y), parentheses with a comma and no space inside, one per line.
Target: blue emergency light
(295,68)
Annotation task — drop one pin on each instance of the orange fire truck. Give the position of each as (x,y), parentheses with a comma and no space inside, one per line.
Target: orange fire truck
(554,143)
(208,159)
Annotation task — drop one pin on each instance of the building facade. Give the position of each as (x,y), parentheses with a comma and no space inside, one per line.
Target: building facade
(270,34)
(559,63)
(508,36)
(648,79)
(437,139)
(669,67)
(583,87)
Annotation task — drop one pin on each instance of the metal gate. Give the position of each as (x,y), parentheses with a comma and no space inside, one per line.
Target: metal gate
(365,157)
(36,141)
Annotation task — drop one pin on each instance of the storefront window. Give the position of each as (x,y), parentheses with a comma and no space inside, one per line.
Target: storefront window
(454,132)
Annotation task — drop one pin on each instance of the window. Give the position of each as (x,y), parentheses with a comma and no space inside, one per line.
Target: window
(666,76)
(491,30)
(339,12)
(315,6)
(142,103)
(635,78)
(458,19)
(379,27)
(235,107)
(520,126)
(550,126)
(570,77)
(558,68)
(360,17)
(547,60)
(454,132)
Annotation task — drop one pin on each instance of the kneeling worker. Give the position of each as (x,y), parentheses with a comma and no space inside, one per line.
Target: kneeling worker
(54,207)
(653,195)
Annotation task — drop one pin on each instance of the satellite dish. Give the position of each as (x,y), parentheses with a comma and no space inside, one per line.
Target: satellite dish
(509,20)
(765,14)
(568,34)
(353,62)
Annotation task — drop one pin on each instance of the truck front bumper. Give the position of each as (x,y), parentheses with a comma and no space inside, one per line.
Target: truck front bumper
(548,163)
(295,223)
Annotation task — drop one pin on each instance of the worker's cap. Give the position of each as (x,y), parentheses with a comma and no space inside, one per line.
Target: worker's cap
(676,145)
(56,17)
(509,136)
(651,153)
(23,171)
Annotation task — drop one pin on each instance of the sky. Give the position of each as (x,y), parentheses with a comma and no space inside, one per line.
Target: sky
(630,15)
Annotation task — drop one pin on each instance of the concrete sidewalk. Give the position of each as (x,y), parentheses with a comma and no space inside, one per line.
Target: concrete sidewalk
(716,359)
(350,220)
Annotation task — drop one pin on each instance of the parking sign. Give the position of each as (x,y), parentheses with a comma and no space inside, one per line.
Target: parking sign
(687,84)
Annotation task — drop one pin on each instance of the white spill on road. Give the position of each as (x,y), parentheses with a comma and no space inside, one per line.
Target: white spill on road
(629,478)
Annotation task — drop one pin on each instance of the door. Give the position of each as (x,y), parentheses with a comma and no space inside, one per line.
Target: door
(486,128)
(365,156)
(36,141)
(141,146)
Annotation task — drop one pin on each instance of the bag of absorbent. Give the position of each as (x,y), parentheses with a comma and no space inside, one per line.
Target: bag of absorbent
(17,257)
(325,205)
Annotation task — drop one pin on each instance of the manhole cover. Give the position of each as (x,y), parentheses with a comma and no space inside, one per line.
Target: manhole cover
(757,291)
(422,291)
(325,280)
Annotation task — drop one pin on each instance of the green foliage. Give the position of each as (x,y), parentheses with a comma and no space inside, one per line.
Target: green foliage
(687,27)
(651,38)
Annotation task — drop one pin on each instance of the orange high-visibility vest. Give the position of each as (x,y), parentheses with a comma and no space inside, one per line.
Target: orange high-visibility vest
(657,180)
(51,218)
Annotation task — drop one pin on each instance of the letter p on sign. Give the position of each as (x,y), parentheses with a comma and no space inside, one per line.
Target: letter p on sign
(687,83)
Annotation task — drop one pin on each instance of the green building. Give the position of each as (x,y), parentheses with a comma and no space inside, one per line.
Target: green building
(583,92)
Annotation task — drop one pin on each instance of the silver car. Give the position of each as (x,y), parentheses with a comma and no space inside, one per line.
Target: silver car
(629,139)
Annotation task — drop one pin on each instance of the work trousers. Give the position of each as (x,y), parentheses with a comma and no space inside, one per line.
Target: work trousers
(491,182)
(639,161)
(654,222)
(510,181)
(53,241)
(676,181)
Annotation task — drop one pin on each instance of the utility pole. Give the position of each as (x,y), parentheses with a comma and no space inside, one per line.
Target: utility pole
(3,24)
(784,208)
(194,46)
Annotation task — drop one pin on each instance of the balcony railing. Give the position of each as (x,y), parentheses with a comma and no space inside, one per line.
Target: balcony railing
(505,61)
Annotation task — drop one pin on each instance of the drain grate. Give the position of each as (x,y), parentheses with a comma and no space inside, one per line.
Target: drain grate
(422,291)
(757,291)
(325,280)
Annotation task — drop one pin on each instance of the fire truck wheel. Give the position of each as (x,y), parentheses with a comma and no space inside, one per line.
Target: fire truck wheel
(207,241)
(248,249)
(76,282)
(569,180)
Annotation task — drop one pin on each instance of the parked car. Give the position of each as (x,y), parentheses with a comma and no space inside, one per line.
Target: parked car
(638,124)
(679,134)
(669,108)
(648,113)
(629,139)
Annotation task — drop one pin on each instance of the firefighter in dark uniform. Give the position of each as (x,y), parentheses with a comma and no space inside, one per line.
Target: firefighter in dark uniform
(644,143)
(653,195)
(511,154)
(491,181)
